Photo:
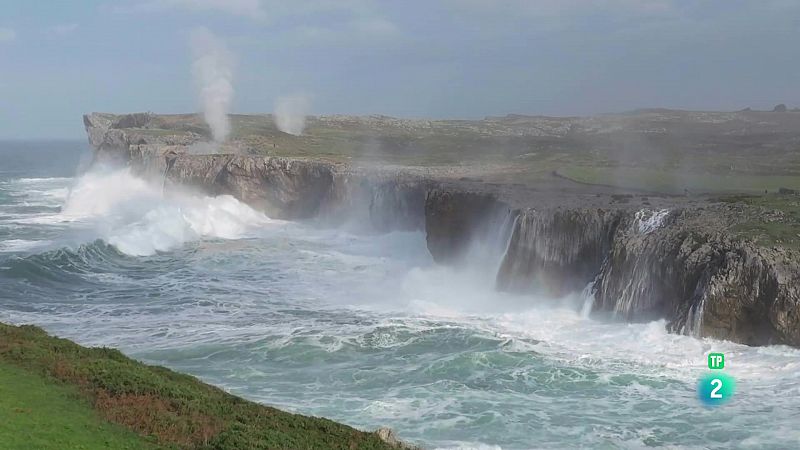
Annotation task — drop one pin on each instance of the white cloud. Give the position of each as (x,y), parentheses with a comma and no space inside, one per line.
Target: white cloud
(64,28)
(7,34)
(244,8)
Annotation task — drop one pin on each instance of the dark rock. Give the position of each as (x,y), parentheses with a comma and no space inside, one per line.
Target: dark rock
(556,251)
(136,120)
(453,220)
(683,264)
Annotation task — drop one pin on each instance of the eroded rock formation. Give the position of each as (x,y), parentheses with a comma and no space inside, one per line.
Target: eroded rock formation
(640,262)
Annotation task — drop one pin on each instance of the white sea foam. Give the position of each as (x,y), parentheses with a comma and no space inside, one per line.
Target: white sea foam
(440,355)
(37,191)
(21,245)
(649,220)
(366,329)
(43,180)
(471,446)
(134,215)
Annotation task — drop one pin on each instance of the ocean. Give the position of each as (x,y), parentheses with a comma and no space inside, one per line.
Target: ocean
(362,328)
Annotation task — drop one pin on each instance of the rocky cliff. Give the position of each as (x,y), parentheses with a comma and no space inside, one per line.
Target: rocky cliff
(635,260)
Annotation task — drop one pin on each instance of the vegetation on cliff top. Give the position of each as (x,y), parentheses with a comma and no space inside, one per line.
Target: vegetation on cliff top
(677,182)
(660,151)
(58,393)
(772,219)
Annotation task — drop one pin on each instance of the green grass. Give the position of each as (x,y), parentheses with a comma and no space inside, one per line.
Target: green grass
(676,182)
(171,408)
(770,219)
(644,152)
(37,413)
(442,144)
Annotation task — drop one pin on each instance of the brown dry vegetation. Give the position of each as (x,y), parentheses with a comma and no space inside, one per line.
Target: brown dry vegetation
(173,409)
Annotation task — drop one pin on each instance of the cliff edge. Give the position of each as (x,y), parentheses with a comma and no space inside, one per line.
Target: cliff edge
(711,264)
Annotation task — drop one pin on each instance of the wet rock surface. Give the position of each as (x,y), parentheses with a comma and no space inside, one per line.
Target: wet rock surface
(645,257)
(556,251)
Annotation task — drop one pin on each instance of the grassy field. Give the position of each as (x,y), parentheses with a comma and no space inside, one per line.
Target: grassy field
(644,154)
(662,151)
(674,182)
(776,220)
(62,395)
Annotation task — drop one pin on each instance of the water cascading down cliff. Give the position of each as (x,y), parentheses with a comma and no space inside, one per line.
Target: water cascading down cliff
(630,263)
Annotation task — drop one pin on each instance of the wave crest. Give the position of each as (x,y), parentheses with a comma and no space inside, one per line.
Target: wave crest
(138,219)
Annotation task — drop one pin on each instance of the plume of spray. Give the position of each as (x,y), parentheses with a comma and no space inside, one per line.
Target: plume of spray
(290,113)
(212,70)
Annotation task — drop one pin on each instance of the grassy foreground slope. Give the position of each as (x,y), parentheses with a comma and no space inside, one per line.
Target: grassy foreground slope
(36,413)
(62,395)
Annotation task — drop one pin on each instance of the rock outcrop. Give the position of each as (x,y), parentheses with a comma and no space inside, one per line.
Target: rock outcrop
(455,220)
(639,262)
(556,251)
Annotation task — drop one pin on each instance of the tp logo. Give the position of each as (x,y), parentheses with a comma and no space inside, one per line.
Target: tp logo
(716,361)
(715,388)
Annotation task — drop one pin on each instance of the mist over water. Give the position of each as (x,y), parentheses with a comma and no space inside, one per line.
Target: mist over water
(138,219)
(363,329)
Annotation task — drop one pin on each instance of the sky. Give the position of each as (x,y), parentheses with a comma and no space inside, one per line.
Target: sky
(411,58)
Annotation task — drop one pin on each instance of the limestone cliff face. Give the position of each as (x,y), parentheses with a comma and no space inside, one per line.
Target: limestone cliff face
(638,263)
(284,188)
(381,202)
(704,283)
(454,221)
(300,189)
(556,251)
(753,297)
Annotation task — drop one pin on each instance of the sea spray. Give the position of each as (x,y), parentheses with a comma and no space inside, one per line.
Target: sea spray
(212,70)
(694,320)
(503,236)
(309,324)
(490,242)
(290,113)
(587,299)
(139,219)
(330,323)
(648,220)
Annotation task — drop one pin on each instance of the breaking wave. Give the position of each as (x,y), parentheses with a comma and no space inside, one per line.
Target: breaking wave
(366,329)
(138,219)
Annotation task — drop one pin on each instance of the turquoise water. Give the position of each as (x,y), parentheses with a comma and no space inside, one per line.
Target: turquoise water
(361,328)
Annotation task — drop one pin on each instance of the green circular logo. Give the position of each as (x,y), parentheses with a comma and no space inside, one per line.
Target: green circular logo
(715,388)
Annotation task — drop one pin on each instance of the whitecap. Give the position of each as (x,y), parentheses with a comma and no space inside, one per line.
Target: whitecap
(138,219)
(21,245)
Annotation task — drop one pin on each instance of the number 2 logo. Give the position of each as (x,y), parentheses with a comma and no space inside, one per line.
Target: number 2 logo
(718,385)
(715,389)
